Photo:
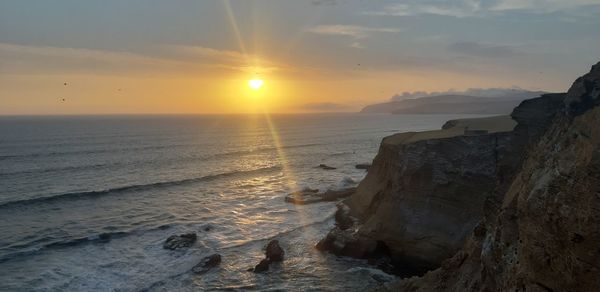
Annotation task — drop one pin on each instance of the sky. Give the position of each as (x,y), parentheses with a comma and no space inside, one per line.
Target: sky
(188,57)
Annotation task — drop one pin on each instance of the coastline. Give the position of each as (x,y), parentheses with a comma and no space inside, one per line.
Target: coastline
(471,206)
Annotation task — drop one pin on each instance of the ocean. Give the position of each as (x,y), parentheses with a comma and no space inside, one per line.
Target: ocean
(86,202)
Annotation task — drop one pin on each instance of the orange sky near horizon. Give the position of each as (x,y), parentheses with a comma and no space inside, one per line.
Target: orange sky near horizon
(196,57)
(225,94)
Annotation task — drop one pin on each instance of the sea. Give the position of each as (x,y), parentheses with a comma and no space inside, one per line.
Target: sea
(86,202)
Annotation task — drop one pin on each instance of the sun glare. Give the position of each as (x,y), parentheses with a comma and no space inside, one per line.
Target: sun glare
(256,84)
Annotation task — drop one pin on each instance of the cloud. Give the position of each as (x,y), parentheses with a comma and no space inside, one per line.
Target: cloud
(542,6)
(20,59)
(480,92)
(482,50)
(460,8)
(482,8)
(324,106)
(353,31)
(324,2)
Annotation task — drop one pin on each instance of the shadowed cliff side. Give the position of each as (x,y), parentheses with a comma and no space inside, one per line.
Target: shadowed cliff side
(425,192)
(543,233)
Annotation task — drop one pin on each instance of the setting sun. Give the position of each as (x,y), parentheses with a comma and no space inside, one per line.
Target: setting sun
(256,84)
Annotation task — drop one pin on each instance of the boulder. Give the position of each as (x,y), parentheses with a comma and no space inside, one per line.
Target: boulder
(207,263)
(263,266)
(180,241)
(348,243)
(274,252)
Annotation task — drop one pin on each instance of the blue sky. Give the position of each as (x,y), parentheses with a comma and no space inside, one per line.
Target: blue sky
(356,46)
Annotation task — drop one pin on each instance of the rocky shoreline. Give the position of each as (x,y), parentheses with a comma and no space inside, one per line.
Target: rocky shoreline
(485,210)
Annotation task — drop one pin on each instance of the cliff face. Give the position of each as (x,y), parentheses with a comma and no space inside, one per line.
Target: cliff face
(422,199)
(543,232)
(425,192)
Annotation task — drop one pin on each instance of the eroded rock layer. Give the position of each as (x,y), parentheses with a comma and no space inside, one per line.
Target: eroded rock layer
(425,192)
(543,234)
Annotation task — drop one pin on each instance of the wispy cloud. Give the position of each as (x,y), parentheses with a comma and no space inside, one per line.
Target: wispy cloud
(481,8)
(167,58)
(354,31)
(542,6)
(324,2)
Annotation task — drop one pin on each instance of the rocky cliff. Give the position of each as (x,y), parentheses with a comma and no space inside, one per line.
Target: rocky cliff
(543,232)
(425,192)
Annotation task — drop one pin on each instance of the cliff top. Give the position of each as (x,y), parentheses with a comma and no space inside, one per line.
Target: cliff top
(455,128)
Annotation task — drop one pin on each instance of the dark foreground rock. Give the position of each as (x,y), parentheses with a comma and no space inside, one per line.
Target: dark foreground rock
(263,266)
(180,241)
(207,263)
(311,196)
(274,252)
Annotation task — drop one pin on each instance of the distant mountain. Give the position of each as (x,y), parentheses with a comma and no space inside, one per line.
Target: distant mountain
(492,101)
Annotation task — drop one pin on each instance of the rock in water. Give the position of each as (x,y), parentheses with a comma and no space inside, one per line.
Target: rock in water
(180,241)
(364,166)
(331,195)
(263,266)
(207,263)
(310,196)
(274,252)
(326,167)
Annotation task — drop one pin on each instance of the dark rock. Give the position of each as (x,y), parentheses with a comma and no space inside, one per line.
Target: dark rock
(311,196)
(364,166)
(577,238)
(303,197)
(207,263)
(479,230)
(263,266)
(347,243)
(326,167)
(180,241)
(331,195)
(274,252)
(584,94)
(383,263)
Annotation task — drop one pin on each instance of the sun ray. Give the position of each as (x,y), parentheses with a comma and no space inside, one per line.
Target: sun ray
(235,28)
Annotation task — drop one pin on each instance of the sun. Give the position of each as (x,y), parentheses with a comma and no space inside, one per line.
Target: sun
(256,84)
